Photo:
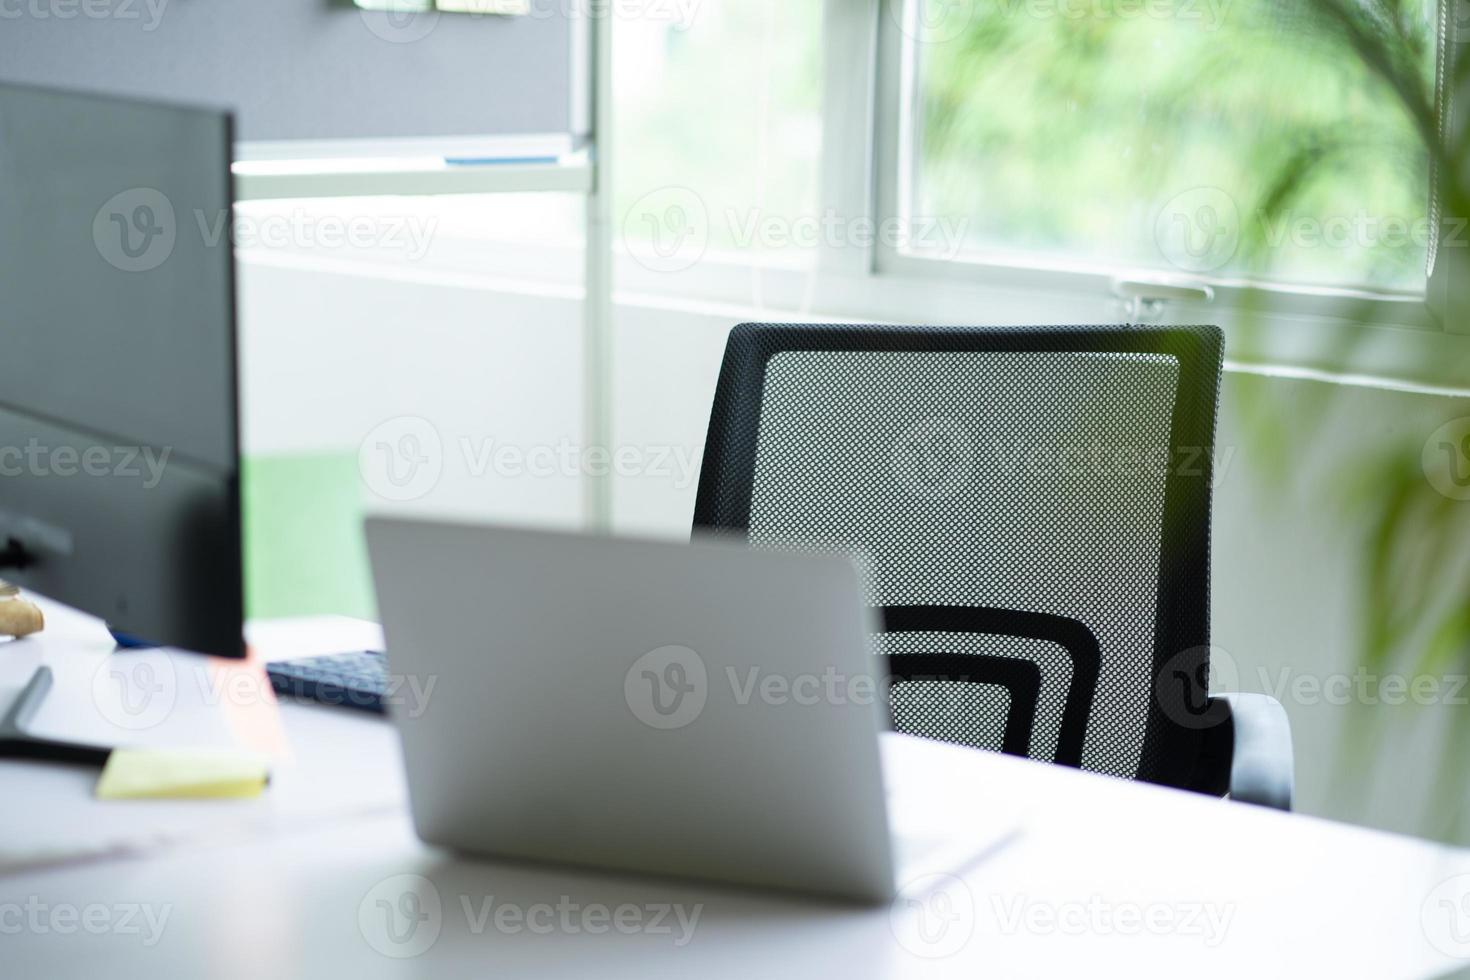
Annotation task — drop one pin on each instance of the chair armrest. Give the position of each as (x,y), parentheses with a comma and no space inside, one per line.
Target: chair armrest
(1262,770)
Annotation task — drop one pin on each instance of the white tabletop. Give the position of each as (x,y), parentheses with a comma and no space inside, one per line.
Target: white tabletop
(322,876)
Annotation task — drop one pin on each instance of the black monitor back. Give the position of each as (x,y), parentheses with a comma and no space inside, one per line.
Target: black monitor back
(119,444)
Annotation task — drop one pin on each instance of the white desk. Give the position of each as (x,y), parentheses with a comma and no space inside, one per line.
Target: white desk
(1108,878)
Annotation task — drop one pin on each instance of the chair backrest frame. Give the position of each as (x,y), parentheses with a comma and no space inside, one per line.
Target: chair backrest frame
(1172,746)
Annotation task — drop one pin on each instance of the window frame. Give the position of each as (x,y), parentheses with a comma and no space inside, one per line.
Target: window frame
(1333,330)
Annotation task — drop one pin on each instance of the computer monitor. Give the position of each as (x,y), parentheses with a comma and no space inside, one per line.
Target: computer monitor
(119,430)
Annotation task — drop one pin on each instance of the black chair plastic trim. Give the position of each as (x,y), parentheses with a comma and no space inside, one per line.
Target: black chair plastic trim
(1021,678)
(1071,635)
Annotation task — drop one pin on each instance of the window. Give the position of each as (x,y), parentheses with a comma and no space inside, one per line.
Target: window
(1217,139)
(718,132)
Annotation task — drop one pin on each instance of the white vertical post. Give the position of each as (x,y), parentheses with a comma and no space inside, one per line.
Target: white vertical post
(597,301)
(1449,281)
(850,36)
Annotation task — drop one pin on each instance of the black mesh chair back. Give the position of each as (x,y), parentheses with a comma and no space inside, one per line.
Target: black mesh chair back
(1031,506)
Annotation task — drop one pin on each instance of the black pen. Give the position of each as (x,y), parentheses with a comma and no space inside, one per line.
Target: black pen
(17,743)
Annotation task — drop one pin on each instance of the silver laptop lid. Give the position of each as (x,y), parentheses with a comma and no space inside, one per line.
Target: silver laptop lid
(700,710)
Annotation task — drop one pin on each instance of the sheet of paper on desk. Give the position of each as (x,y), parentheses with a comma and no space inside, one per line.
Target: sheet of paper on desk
(342,762)
(154,697)
(55,817)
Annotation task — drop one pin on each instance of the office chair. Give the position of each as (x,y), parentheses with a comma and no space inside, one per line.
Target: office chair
(1031,506)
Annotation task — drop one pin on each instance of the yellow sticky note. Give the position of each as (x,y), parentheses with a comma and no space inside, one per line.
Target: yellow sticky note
(181,774)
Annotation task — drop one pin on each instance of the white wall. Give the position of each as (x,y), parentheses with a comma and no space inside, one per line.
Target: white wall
(1291,549)
(330,355)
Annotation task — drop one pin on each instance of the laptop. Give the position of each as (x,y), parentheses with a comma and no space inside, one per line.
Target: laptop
(697,710)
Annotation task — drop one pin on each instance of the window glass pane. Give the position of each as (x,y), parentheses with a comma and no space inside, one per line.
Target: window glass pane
(718,130)
(1153,133)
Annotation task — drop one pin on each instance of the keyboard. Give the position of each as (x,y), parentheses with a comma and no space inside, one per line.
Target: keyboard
(358,679)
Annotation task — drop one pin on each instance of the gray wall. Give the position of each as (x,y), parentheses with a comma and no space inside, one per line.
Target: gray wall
(299,69)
